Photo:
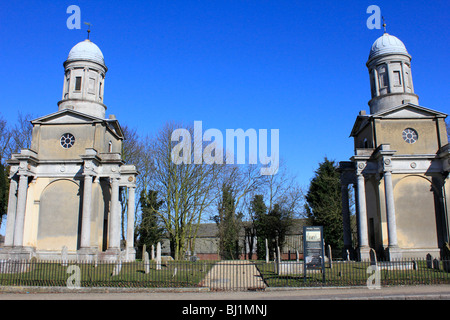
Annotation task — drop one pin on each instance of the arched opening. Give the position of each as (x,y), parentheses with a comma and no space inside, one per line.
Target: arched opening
(59,216)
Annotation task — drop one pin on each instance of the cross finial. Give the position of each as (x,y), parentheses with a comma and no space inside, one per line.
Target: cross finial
(384,25)
(89,28)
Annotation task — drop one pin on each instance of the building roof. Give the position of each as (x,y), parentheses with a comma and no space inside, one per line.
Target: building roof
(210,230)
(86,50)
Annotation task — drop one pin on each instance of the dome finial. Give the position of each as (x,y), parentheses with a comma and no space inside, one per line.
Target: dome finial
(384,25)
(89,28)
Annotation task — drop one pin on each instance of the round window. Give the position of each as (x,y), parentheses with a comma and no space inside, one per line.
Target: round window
(67,140)
(410,135)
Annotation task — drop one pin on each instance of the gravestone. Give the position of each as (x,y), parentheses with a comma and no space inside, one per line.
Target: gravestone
(347,255)
(330,256)
(118,265)
(153,252)
(436,264)
(267,252)
(146,263)
(373,257)
(278,260)
(96,260)
(64,256)
(144,249)
(429,261)
(158,256)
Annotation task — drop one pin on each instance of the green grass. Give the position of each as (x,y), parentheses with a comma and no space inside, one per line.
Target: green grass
(354,274)
(190,274)
(132,274)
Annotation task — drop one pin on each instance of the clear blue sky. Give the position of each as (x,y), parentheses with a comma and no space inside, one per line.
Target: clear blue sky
(296,66)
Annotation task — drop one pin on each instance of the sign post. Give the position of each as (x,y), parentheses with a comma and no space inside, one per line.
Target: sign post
(313,250)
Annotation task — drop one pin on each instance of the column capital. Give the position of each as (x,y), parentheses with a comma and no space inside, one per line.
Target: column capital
(385,164)
(114,179)
(360,166)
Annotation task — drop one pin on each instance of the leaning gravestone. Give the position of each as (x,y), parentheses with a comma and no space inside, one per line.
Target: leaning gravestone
(146,262)
(278,260)
(64,256)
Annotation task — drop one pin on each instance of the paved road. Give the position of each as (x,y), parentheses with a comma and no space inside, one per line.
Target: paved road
(435,292)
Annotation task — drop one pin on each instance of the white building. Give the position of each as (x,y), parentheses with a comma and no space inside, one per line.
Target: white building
(64,190)
(400,166)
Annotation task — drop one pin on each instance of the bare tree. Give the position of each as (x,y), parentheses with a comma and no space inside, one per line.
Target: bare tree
(187,189)
(21,133)
(5,139)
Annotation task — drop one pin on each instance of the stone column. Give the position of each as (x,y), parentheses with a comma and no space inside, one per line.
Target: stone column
(390,216)
(85,241)
(114,232)
(362,215)
(11,216)
(130,219)
(20,213)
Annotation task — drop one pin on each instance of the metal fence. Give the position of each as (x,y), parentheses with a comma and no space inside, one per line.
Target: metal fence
(221,275)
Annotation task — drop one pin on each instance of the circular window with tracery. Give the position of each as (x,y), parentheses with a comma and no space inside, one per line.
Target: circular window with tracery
(410,135)
(67,140)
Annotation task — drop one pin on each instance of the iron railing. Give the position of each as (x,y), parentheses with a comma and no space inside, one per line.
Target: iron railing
(221,275)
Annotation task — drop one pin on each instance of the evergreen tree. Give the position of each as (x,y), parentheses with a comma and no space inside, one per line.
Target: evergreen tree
(272,225)
(279,221)
(228,224)
(258,214)
(323,203)
(149,231)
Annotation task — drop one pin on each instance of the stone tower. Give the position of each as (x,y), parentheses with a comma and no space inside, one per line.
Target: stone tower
(65,189)
(84,80)
(400,164)
(389,67)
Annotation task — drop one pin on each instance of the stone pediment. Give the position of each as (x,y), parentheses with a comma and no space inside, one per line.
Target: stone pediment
(404,111)
(408,111)
(66,117)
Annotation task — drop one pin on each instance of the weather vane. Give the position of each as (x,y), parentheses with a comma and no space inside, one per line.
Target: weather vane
(384,24)
(89,27)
